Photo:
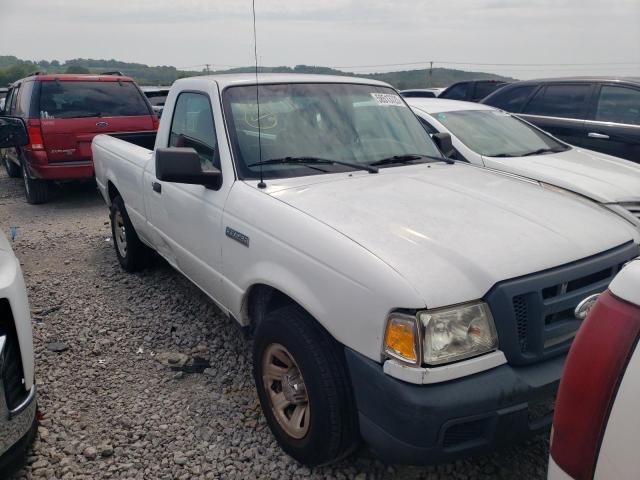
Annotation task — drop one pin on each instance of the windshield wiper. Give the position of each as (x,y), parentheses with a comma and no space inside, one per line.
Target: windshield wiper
(314,161)
(411,157)
(542,151)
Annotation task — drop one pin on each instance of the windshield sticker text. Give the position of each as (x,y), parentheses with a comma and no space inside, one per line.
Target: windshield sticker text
(388,99)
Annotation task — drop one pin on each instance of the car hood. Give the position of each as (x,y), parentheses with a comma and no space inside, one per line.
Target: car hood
(453,231)
(601,177)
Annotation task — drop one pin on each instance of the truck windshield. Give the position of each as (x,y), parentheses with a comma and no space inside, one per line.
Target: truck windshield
(81,99)
(351,123)
(493,133)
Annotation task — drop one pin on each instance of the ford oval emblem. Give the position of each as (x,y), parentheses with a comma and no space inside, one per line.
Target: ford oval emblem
(585,306)
(102,124)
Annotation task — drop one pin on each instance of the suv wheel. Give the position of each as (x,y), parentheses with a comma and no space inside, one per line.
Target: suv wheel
(36,190)
(303,386)
(12,169)
(132,254)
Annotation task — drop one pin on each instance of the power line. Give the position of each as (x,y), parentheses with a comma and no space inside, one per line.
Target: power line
(442,62)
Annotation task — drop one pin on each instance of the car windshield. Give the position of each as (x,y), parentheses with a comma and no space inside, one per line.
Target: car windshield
(357,124)
(493,133)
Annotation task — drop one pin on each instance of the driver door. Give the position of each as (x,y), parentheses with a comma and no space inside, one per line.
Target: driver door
(188,218)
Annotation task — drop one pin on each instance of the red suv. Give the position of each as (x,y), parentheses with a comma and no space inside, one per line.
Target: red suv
(62,114)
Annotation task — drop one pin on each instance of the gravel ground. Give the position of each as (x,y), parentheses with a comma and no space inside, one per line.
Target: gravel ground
(110,409)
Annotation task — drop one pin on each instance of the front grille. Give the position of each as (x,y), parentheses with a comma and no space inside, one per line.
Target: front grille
(534,314)
(12,373)
(634,208)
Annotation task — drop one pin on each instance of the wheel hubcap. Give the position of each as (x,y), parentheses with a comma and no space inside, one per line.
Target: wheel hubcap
(120,233)
(286,390)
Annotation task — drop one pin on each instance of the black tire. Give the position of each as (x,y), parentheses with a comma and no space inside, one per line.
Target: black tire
(35,190)
(135,255)
(13,170)
(332,431)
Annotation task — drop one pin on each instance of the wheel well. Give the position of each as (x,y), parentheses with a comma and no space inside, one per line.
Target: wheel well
(113,191)
(263,299)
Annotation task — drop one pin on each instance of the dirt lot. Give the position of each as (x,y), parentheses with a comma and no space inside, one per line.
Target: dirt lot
(112,410)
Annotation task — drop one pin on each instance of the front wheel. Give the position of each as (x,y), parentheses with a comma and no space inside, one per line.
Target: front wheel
(132,254)
(303,386)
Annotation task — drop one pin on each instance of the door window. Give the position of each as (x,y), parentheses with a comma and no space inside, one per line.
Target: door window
(456,92)
(192,126)
(12,100)
(619,105)
(511,99)
(564,101)
(485,88)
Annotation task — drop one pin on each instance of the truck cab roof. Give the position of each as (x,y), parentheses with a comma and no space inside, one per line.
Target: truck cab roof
(236,79)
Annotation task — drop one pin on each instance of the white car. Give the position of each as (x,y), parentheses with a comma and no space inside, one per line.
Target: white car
(486,136)
(422,92)
(596,423)
(17,385)
(394,295)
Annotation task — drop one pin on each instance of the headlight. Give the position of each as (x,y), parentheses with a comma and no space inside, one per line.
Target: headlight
(402,338)
(456,333)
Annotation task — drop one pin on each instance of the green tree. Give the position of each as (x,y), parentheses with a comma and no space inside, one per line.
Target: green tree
(76,69)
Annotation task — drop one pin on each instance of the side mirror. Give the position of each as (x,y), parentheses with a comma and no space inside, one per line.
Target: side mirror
(182,165)
(444,143)
(13,132)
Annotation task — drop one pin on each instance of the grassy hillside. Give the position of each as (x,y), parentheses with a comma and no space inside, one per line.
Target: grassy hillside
(12,68)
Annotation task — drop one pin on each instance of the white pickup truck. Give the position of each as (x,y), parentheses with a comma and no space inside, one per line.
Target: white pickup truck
(421,304)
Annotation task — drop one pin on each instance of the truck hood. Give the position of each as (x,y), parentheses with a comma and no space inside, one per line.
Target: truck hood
(601,177)
(453,231)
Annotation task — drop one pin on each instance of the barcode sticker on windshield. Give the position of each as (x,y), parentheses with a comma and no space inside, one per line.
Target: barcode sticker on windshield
(388,99)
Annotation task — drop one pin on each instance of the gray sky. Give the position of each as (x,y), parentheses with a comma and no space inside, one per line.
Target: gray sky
(187,33)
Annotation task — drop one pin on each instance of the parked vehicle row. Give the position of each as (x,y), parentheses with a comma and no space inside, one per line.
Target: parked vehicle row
(63,113)
(383,282)
(492,138)
(598,113)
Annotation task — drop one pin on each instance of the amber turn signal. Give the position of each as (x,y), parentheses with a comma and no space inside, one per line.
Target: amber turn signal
(401,338)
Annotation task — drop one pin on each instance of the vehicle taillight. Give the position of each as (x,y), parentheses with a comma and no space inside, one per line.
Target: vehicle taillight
(35,135)
(156,122)
(594,368)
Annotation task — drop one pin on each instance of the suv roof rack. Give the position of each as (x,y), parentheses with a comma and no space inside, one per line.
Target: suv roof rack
(114,72)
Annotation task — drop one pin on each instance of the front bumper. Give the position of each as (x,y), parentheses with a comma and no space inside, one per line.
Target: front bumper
(426,424)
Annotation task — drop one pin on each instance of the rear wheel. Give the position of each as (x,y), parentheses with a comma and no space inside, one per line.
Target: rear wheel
(36,190)
(132,254)
(12,169)
(303,386)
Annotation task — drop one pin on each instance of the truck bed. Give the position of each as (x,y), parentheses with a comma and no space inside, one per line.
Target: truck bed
(142,139)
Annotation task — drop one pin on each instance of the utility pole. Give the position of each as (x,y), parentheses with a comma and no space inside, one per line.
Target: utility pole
(207,65)
(430,78)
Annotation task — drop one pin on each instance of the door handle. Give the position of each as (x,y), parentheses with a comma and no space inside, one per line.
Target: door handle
(601,136)
(157,187)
